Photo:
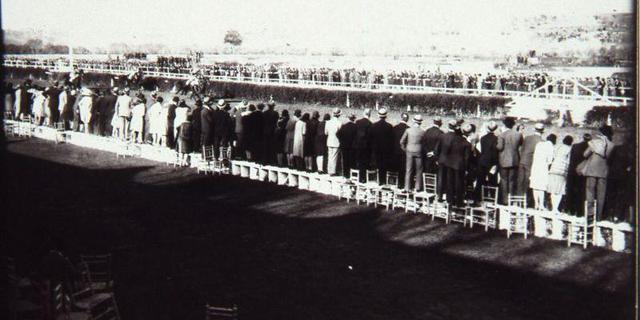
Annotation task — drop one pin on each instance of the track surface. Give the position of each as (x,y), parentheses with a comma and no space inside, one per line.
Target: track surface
(181,240)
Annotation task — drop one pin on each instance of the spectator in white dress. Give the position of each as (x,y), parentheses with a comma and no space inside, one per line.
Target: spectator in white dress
(137,119)
(155,121)
(539,179)
(558,172)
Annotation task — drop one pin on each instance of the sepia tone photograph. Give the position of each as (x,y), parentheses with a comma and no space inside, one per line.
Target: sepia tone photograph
(289,159)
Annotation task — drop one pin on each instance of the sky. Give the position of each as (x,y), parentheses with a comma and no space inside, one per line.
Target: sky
(357,25)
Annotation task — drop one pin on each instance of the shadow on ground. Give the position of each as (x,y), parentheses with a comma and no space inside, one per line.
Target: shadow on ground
(181,240)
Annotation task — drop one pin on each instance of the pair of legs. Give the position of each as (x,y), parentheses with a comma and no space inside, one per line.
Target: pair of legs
(320,163)
(333,155)
(538,199)
(308,161)
(508,181)
(413,163)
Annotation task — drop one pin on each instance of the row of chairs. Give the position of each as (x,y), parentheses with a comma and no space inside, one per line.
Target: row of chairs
(486,214)
(26,127)
(209,163)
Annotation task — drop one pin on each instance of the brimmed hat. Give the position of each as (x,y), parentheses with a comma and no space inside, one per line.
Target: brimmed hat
(352,117)
(86,92)
(437,120)
(382,113)
(539,127)
(417,118)
(337,111)
(492,126)
(466,128)
(452,124)
(221,103)
(207,101)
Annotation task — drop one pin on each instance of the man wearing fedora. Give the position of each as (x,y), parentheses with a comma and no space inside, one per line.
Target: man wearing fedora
(382,144)
(399,160)
(196,126)
(221,122)
(269,119)
(508,158)
(362,144)
(431,138)
(347,136)
(487,159)
(411,144)
(206,123)
(526,159)
(453,152)
(123,111)
(331,129)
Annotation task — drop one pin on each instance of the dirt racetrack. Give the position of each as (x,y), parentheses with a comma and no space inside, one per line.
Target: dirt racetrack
(181,240)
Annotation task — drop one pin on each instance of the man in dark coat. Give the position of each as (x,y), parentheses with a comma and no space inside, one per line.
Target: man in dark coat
(399,160)
(487,159)
(347,137)
(196,126)
(430,140)
(453,152)
(171,142)
(362,144)
(508,158)
(269,121)
(206,124)
(239,138)
(53,94)
(257,136)
(105,107)
(574,200)
(411,144)
(221,122)
(250,127)
(382,144)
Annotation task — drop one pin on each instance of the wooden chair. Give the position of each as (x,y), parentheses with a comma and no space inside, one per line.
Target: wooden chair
(97,272)
(581,229)
(61,307)
(205,164)
(440,210)
(423,199)
(348,188)
(517,216)
(487,213)
(371,187)
(61,135)
(387,191)
(221,313)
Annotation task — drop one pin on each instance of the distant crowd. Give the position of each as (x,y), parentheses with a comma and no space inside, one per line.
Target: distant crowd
(463,156)
(512,81)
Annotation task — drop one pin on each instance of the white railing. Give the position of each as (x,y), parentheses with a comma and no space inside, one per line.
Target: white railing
(330,85)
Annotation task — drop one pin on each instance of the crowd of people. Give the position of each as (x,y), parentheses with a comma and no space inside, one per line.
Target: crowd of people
(463,156)
(511,81)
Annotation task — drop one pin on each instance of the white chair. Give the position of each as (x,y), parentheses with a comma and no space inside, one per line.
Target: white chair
(387,191)
(61,135)
(423,199)
(486,214)
(371,187)
(440,210)
(348,188)
(581,229)
(518,219)
(205,164)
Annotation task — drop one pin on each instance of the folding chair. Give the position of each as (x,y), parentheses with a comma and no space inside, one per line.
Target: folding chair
(61,135)
(221,313)
(486,214)
(205,164)
(348,188)
(423,199)
(387,191)
(97,272)
(371,187)
(517,215)
(581,229)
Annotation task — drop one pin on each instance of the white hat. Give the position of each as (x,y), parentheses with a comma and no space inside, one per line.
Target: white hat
(417,118)
(539,126)
(382,113)
(221,103)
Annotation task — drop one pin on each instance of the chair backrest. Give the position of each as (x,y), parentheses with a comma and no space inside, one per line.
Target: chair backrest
(207,153)
(372,176)
(98,267)
(590,209)
(224,153)
(517,201)
(430,182)
(392,179)
(59,126)
(60,302)
(220,313)
(354,175)
(490,196)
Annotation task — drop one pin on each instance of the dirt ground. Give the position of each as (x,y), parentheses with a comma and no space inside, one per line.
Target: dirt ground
(181,240)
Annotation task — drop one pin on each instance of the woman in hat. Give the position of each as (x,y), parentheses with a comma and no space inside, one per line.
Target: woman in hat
(320,144)
(558,172)
(184,136)
(155,121)
(309,140)
(38,105)
(539,178)
(280,137)
(137,119)
(300,132)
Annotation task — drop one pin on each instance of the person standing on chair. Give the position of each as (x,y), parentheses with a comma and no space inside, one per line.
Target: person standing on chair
(508,158)
(399,160)
(382,144)
(487,160)
(347,135)
(411,144)
(331,129)
(529,144)
(576,183)
(362,145)
(597,168)
(431,138)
